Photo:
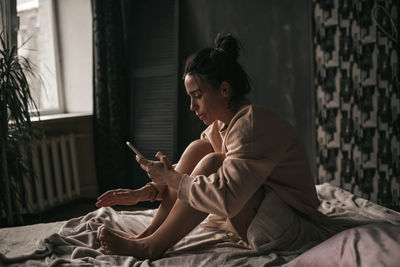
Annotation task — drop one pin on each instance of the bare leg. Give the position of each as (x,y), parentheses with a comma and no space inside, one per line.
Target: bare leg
(153,247)
(170,231)
(188,161)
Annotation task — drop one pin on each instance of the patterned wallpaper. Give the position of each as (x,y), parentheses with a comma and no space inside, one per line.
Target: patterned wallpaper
(356,80)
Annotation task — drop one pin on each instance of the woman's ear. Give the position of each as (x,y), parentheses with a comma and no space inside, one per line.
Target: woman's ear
(226,89)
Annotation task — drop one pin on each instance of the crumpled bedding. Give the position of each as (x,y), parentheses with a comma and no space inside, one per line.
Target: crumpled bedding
(375,242)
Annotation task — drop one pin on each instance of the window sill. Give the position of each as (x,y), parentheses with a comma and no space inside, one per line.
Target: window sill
(61,116)
(65,123)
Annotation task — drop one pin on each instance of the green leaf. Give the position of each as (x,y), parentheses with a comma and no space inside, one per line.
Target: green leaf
(16,128)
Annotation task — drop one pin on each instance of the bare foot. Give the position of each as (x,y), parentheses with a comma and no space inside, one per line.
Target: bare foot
(115,244)
(147,232)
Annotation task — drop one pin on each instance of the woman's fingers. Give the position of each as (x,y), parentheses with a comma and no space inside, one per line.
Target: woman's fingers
(109,201)
(145,164)
(164,159)
(103,195)
(107,194)
(167,162)
(104,203)
(110,198)
(155,169)
(111,194)
(142,160)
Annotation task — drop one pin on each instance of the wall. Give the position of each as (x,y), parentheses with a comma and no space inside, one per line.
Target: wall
(276,39)
(357,97)
(81,126)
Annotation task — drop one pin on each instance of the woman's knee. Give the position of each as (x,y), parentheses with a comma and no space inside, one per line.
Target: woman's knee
(209,164)
(200,147)
(192,155)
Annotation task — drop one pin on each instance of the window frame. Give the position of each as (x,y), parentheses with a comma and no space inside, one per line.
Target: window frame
(54,27)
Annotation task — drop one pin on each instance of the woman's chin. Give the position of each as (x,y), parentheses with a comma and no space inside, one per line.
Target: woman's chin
(207,122)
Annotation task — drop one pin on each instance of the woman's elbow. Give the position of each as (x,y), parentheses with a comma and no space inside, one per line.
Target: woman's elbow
(230,209)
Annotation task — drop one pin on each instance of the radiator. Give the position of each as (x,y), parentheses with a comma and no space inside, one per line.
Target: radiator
(56,168)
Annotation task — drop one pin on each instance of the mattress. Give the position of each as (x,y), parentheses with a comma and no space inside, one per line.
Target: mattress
(374,242)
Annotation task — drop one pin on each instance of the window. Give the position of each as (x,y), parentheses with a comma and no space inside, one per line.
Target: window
(39,28)
(37,41)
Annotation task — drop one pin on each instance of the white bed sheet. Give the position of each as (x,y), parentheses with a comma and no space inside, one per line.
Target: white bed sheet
(74,242)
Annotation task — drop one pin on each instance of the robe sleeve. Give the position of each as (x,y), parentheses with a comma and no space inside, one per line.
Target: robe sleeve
(253,149)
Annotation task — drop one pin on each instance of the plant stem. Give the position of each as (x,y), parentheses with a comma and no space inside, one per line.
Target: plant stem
(7,183)
(5,164)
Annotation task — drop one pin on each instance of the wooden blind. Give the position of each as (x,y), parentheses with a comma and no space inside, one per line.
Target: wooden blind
(155,76)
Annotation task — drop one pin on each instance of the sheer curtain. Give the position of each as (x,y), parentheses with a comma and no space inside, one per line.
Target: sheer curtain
(111,94)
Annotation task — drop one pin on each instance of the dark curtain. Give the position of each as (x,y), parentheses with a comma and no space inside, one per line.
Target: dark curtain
(111,93)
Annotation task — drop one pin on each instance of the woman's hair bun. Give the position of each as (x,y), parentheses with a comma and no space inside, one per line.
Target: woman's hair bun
(229,44)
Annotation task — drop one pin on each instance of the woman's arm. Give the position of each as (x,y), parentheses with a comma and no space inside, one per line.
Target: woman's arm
(128,196)
(254,146)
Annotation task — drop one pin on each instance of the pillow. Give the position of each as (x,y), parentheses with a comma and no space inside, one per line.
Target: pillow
(376,244)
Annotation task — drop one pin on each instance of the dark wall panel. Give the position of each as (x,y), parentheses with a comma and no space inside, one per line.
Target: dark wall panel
(276,39)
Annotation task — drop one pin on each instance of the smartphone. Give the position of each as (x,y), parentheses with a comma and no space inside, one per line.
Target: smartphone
(134,149)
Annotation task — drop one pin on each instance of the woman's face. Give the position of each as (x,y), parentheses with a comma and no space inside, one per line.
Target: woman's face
(208,103)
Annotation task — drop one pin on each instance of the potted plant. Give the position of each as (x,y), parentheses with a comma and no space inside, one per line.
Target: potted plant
(16,131)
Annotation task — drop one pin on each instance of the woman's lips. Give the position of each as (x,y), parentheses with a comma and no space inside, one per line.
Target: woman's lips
(201,116)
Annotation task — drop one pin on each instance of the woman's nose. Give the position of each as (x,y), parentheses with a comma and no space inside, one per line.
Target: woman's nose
(193,106)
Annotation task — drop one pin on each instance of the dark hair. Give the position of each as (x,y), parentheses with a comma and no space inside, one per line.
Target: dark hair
(221,64)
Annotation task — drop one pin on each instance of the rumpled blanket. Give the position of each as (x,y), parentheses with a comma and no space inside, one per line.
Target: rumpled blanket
(211,243)
(76,243)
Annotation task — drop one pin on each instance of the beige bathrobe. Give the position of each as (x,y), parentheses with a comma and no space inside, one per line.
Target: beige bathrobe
(260,148)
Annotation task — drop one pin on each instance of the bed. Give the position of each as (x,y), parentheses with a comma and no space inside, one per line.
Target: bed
(374,242)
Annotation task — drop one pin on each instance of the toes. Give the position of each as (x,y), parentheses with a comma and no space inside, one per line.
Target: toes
(100,234)
(104,234)
(105,238)
(106,247)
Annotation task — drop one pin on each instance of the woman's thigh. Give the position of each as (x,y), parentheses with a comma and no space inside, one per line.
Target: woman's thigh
(243,219)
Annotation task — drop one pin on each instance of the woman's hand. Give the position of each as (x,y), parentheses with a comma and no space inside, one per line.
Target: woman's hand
(160,172)
(121,197)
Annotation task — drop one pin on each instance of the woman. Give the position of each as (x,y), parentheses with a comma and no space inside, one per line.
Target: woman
(248,166)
